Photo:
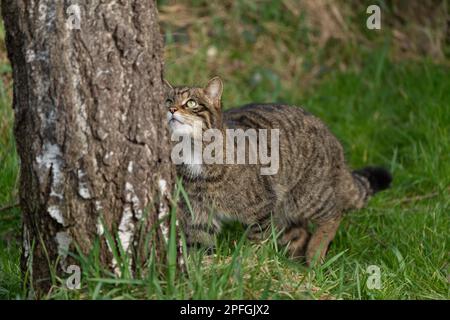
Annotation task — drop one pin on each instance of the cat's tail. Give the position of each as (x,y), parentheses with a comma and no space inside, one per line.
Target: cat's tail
(368,181)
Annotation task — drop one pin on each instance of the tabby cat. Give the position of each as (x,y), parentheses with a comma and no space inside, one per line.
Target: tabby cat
(313,185)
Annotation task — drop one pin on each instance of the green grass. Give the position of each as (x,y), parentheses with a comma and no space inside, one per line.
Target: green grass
(386,112)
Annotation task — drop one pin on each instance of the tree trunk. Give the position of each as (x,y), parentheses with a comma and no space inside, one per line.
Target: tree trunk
(90,129)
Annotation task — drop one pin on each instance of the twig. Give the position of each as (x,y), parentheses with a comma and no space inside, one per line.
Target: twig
(10,206)
(375,237)
(8,218)
(419,198)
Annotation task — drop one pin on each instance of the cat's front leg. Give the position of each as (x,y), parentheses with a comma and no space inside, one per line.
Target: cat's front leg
(296,237)
(200,229)
(260,230)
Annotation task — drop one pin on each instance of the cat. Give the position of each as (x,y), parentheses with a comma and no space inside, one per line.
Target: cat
(313,184)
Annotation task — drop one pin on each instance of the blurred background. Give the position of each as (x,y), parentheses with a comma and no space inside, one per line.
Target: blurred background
(384,93)
(294,44)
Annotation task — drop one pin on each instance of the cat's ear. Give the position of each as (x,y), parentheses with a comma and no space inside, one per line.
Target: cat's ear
(214,89)
(167,85)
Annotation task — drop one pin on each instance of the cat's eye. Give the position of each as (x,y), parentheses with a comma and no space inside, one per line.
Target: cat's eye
(169,103)
(191,104)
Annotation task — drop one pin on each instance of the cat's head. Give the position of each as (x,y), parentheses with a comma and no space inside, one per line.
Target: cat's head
(187,107)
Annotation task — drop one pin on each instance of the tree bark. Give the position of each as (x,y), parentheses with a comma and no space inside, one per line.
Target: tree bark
(90,129)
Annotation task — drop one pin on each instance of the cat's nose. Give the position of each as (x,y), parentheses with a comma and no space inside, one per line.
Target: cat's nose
(172,110)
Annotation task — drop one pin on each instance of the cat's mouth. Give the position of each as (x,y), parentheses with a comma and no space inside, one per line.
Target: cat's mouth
(173,120)
(178,124)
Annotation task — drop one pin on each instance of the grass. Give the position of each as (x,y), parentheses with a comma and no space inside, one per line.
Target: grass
(385,111)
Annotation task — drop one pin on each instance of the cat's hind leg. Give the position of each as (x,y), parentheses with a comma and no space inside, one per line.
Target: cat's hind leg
(320,239)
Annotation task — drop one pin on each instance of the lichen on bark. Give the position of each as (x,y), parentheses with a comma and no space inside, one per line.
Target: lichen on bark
(89,126)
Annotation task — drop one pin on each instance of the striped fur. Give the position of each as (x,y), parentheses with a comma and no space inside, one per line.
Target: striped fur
(313,184)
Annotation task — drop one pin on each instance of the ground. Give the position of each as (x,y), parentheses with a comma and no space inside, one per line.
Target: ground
(385,109)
